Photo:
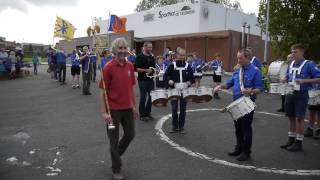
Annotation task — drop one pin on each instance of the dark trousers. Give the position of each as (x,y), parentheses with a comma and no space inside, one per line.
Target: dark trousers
(86,81)
(283,99)
(244,133)
(55,70)
(178,121)
(62,69)
(35,69)
(94,72)
(117,148)
(145,86)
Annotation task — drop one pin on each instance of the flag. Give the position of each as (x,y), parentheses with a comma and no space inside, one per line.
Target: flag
(117,24)
(63,29)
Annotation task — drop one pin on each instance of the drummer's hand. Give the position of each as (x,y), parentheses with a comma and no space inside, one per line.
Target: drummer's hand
(216,89)
(246,92)
(149,71)
(171,83)
(135,113)
(106,117)
(300,81)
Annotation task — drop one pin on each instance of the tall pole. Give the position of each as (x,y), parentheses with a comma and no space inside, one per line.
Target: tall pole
(267,33)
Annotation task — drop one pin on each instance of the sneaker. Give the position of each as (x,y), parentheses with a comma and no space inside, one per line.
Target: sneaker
(316,134)
(280,110)
(182,131)
(243,157)
(174,130)
(289,143)
(150,117)
(308,132)
(144,118)
(117,176)
(78,86)
(236,152)
(73,86)
(296,147)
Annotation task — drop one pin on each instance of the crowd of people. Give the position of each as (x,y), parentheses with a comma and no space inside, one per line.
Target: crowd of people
(11,62)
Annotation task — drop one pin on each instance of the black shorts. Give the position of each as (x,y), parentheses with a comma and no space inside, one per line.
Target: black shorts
(75,70)
(216,78)
(314,107)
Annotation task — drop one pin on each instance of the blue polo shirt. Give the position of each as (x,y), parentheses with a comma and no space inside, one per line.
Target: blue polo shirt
(75,61)
(252,78)
(93,58)
(256,62)
(105,60)
(61,58)
(215,63)
(132,58)
(308,71)
(197,65)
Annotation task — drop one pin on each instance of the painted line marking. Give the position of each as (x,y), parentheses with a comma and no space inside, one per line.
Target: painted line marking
(189,152)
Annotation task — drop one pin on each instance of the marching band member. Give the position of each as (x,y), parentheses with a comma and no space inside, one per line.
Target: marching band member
(86,70)
(106,57)
(314,111)
(161,67)
(132,56)
(120,103)
(172,76)
(197,64)
(216,65)
(145,64)
(301,73)
(75,68)
(93,59)
(246,81)
(62,68)
(283,96)
(254,60)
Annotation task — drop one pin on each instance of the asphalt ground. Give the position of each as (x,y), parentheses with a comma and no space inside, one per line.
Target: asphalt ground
(55,132)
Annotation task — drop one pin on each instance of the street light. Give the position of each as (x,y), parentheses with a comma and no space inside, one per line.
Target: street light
(267,34)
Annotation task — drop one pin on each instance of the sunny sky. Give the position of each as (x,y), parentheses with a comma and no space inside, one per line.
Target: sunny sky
(33,20)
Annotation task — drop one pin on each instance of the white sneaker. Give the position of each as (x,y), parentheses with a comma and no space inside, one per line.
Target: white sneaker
(73,86)
(118,176)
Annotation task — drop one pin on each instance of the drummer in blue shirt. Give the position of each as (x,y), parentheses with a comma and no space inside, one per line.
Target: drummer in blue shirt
(197,65)
(106,57)
(252,85)
(301,74)
(132,56)
(254,60)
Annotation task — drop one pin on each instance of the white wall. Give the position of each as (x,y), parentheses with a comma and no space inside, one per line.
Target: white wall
(219,19)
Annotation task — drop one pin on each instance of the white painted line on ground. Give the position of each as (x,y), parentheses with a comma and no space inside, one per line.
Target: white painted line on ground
(189,152)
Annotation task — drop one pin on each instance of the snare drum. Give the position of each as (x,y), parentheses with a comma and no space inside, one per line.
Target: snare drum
(276,88)
(159,97)
(189,94)
(180,85)
(240,107)
(204,94)
(277,70)
(174,94)
(314,97)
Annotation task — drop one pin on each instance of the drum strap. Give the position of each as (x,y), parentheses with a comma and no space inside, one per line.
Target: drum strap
(252,59)
(241,78)
(296,71)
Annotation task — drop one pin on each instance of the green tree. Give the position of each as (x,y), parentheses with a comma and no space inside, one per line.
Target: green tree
(290,22)
(149,4)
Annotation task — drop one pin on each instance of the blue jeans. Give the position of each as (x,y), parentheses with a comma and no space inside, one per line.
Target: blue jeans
(178,122)
(244,133)
(145,86)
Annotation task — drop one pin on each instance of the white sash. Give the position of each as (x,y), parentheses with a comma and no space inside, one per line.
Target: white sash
(218,71)
(296,71)
(180,69)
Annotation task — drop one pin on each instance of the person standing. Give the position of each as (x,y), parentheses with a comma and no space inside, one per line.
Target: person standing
(62,68)
(145,64)
(313,129)
(246,81)
(216,65)
(35,62)
(172,76)
(197,65)
(121,103)
(301,73)
(93,59)
(86,70)
(75,69)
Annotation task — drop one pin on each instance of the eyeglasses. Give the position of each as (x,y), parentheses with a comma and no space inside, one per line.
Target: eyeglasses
(122,47)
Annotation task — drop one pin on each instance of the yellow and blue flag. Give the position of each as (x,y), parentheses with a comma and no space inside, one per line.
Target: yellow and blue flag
(117,24)
(63,29)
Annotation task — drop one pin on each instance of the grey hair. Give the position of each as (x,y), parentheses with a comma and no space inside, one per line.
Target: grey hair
(180,49)
(118,43)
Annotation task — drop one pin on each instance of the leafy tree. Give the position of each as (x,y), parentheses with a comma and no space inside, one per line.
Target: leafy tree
(290,22)
(149,4)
